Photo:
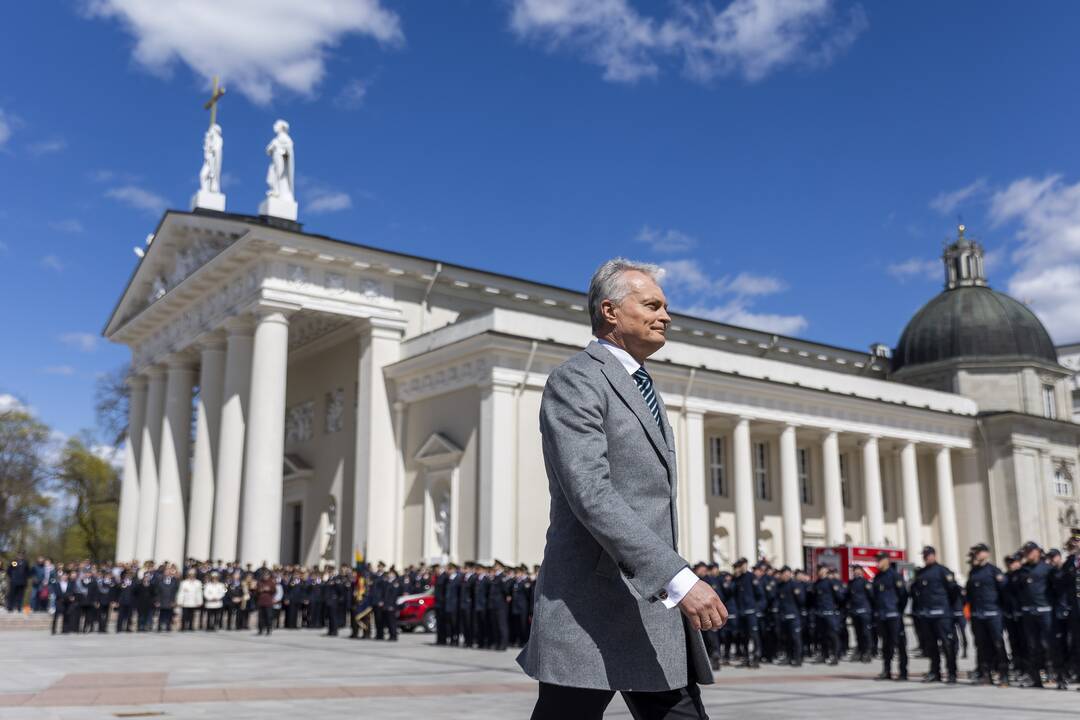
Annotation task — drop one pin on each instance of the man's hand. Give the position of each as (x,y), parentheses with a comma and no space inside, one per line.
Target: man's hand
(703,607)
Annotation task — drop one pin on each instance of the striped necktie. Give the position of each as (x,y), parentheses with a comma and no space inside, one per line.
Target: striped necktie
(645,385)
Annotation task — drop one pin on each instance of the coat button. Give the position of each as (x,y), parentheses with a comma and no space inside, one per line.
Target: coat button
(662,595)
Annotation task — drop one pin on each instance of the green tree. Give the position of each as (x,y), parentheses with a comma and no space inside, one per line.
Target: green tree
(94,487)
(24,476)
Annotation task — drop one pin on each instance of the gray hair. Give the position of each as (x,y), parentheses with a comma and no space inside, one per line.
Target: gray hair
(608,283)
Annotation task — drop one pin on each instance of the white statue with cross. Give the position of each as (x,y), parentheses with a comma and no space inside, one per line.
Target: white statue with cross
(209,196)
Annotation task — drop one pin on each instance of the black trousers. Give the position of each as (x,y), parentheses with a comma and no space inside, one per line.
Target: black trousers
(990,646)
(465,624)
(791,640)
(893,642)
(123,618)
(860,623)
(1038,636)
(266,620)
(939,636)
(557,702)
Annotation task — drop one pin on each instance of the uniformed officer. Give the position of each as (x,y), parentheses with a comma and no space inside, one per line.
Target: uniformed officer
(499,609)
(1013,626)
(442,627)
(481,626)
(749,596)
(452,603)
(790,601)
(466,604)
(768,612)
(520,592)
(392,590)
(985,592)
(890,598)
(859,610)
(1036,620)
(828,599)
(1072,589)
(730,634)
(1060,600)
(934,590)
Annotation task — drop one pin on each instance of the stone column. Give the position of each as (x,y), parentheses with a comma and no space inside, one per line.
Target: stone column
(790,499)
(834,497)
(174,467)
(264,449)
(950,544)
(127,525)
(745,519)
(875,509)
(909,482)
(697,504)
(498,473)
(148,464)
(375,506)
(207,424)
(230,457)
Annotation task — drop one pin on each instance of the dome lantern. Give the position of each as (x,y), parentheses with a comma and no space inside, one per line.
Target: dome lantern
(963,262)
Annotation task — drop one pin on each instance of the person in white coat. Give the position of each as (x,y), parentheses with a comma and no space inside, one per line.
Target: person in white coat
(213,599)
(189,598)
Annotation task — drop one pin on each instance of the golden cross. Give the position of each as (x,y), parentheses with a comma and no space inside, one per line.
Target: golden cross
(211,104)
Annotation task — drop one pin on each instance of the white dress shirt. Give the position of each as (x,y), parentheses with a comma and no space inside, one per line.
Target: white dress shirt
(686,578)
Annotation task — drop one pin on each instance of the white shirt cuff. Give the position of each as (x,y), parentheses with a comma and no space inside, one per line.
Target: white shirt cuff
(679,586)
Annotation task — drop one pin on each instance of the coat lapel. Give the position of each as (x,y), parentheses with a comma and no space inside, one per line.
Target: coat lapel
(627,389)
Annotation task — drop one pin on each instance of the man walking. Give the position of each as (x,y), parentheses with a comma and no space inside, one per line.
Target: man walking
(609,593)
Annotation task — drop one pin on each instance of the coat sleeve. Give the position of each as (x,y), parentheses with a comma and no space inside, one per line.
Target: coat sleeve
(575,447)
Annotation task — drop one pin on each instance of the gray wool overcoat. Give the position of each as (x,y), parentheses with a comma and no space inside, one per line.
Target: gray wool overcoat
(612,539)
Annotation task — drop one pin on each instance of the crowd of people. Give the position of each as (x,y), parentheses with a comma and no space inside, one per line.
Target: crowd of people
(1024,617)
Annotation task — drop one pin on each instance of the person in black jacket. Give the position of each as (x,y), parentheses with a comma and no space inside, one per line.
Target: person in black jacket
(165,592)
(452,603)
(791,599)
(1036,614)
(828,601)
(520,588)
(859,610)
(1013,617)
(985,592)
(934,592)
(442,626)
(1060,601)
(466,611)
(750,597)
(392,590)
(145,591)
(125,601)
(481,627)
(106,598)
(18,574)
(890,598)
(86,588)
(67,603)
(499,608)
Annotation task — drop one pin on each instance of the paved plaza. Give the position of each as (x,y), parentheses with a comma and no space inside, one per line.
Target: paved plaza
(301,674)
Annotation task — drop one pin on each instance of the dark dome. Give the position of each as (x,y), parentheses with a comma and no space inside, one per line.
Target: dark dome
(973,323)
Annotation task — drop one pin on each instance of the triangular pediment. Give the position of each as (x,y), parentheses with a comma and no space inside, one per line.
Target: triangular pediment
(180,245)
(438,451)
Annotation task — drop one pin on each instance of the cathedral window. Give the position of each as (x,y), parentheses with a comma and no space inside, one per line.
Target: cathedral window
(761,471)
(1063,482)
(717,473)
(1049,402)
(805,489)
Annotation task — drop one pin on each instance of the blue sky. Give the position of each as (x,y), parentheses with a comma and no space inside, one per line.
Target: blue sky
(796,165)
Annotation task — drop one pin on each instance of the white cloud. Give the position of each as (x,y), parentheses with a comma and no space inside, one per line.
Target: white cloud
(1046,213)
(256,46)
(138,198)
(352,94)
(87,342)
(916,269)
(324,200)
(64,370)
(749,38)
(666,241)
(10,402)
(5,128)
(68,226)
(46,147)
(52,262)
(947,202)
(736,312)
(727,299)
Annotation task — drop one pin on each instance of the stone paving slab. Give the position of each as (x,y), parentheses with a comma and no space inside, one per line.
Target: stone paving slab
(301,674)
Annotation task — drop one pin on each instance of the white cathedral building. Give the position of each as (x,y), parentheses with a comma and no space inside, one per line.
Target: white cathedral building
(355,399)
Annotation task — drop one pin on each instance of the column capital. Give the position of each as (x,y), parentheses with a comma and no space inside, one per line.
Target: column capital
(153,371)
(274,310)
(695,410)
(136,382)
(868,437)
(380,327)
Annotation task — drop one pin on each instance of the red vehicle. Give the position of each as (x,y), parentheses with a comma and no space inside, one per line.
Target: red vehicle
(417,611)
(842,557)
